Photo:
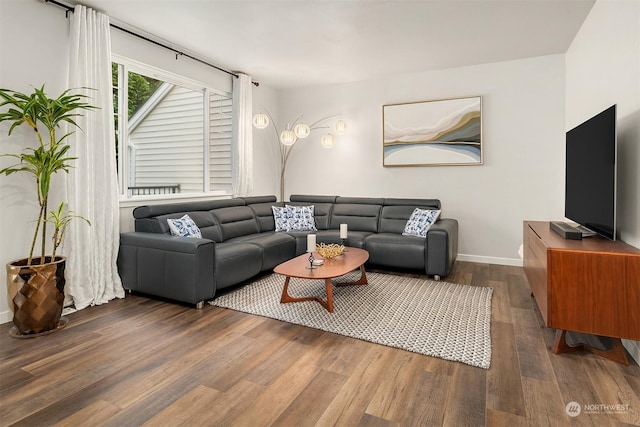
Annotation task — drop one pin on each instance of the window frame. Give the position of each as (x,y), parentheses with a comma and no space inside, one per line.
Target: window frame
(126,65)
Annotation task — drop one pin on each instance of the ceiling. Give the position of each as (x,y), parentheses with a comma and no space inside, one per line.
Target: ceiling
(287,44)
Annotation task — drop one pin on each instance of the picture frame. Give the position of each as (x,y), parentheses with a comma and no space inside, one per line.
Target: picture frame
(441,132)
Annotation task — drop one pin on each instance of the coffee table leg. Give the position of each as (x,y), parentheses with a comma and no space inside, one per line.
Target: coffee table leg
(288,298)
(285,298)
(285,295)
(329,305)
(361,281)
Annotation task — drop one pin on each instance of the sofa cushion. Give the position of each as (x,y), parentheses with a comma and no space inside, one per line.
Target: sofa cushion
(236,221)
(393,219)
(416,203)
(151,211)
(153,218)
(396,212)
(395,250)
(261,206)
(359,200)
(184,227)
(276,247)
(236,262)
(420,222)
(312,199)
(258,200)
(358,217)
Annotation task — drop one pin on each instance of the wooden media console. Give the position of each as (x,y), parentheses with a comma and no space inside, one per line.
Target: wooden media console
(590,286)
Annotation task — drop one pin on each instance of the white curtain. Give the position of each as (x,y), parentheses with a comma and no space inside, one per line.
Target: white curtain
(242,143)
(92,185)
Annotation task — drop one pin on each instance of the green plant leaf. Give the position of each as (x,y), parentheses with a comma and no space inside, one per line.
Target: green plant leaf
(37,109)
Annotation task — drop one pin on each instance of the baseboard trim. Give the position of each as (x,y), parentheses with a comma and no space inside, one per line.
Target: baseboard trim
(516,262)
(6,316)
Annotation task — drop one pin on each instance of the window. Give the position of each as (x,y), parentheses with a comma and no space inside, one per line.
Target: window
(173,135)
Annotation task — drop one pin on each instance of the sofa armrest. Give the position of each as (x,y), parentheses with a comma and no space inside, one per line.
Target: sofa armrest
(178,268)
(442,247)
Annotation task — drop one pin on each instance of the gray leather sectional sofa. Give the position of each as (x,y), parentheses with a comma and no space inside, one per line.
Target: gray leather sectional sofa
(239,241)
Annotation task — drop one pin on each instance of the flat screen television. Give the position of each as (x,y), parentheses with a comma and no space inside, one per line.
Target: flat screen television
(590,184)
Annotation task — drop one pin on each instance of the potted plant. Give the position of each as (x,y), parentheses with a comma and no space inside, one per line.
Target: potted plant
(36,283)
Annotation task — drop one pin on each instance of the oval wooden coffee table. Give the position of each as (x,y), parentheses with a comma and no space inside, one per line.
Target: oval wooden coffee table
(335,267)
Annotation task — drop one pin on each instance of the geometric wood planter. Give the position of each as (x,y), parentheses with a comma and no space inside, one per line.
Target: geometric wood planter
(36,296)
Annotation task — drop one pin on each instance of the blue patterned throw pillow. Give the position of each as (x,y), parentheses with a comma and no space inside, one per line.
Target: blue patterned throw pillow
(281,218)
(301,218)
(184,227)
(420,221)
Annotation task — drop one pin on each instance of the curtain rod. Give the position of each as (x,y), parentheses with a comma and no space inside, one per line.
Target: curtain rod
(177,52)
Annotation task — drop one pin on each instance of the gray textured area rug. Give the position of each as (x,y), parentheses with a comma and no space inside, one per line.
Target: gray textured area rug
(433,318)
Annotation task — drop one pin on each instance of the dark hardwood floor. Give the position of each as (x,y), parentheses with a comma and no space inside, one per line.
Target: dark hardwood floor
(142,361)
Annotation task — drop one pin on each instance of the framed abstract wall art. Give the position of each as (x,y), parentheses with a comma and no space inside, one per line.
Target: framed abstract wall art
(433,133)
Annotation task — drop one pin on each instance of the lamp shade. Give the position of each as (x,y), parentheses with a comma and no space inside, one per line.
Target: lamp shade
(302,130)
(288,137)
(328,141)
(340,127)
(261,120)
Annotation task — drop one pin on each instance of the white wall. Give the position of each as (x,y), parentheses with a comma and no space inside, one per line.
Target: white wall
(523,136)
(27,60)
(266,157)
(602,69)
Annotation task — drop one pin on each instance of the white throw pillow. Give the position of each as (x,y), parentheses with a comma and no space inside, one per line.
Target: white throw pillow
(281,218)
(301,218)
(184,227)
(420,221)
